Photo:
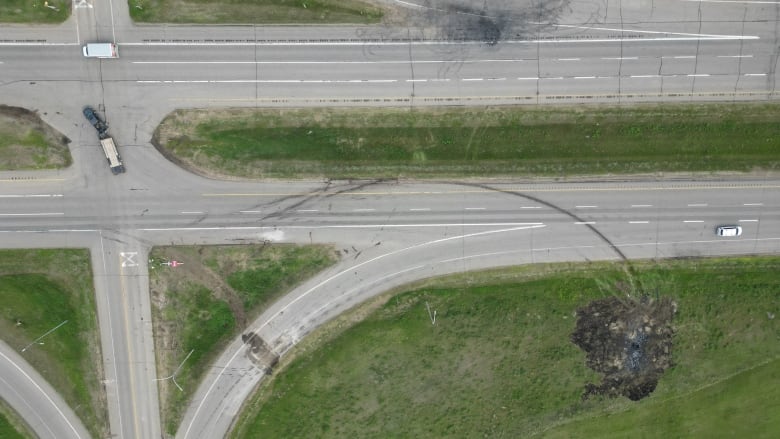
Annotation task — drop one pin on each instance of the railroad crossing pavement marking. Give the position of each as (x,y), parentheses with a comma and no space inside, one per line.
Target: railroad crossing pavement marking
(82,4)
(127,259)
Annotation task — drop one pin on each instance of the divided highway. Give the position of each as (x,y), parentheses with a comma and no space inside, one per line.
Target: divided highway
(388,233)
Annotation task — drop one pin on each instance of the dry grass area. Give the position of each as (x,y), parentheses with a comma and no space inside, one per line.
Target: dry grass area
(27,142)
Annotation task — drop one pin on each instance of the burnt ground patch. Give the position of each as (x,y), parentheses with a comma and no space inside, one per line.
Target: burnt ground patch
(488,22)
(628,340)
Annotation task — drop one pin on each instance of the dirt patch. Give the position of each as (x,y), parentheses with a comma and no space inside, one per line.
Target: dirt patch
(629,341)
(27,142)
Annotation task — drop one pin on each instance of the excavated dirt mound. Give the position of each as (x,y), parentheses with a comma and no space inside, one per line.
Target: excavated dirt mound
(629,341)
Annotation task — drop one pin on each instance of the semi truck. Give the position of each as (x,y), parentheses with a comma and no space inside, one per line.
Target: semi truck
(114,160)
(95,120)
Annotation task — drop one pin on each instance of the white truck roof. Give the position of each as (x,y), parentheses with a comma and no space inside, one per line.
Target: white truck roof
(101,50)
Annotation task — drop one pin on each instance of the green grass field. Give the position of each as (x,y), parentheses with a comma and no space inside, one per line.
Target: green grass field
(254,11)
(34,11)
(498,361)
(204,303)
(497,141)
(39,290)
(8,429)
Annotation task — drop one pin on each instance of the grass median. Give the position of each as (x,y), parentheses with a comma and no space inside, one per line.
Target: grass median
(255,11)
(27,142)
(200,305)
(45,289)
(34,11)
(473,142)
(498,362)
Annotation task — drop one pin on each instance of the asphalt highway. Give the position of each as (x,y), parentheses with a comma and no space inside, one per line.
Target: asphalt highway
(387,233)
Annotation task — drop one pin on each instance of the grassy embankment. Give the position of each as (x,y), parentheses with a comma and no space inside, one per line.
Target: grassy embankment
(484,142)
(40,289)
(26,142)
(498,361)
(255,11)
(11,426)
(34,11)
(201,305)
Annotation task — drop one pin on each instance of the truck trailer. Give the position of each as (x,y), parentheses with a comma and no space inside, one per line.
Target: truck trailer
(114,160)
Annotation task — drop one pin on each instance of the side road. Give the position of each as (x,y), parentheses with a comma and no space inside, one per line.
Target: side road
(44,411)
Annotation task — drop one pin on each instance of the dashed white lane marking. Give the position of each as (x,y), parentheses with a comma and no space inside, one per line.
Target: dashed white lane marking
(191,212)
(33,214)
(473,208)
(569,59)
(269,81)
(735,56)
(753,204)
(307,210)
(364,210)
(585,222)
(32,196)
(698,205)
(698,75)
(755,74)
(531,78)
(420,209)
(680,57)
(693,221)
(639,222)
(531,207)
(645,76)
(641,205)
(621,57)
(249,211)
(584,77)
(585,207)
(432,61)
(749,221)
(482,79)
(758,2)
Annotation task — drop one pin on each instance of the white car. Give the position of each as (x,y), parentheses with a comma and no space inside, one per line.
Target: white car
(728,231)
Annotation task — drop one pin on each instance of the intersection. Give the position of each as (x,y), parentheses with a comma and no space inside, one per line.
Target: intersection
(392,232)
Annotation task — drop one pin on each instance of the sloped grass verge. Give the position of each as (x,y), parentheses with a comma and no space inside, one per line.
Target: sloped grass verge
(40,290)
(498,362)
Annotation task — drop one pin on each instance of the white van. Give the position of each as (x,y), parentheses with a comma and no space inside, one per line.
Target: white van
(728,230)
(101,50)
